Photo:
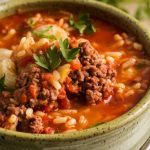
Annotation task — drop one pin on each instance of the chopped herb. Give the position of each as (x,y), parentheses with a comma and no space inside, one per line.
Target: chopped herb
(68,54)
(84,23)
(49,60)
(52,58)
(2,83)
(97,124)
(31,22)
(44,33)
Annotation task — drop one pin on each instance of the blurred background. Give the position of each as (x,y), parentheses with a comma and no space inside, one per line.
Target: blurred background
(140,9)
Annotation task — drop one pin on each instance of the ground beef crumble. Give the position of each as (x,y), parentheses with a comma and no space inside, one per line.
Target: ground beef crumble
(95,77)
(36,125)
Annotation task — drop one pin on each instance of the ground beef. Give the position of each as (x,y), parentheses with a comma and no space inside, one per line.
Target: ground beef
(36,125)
(4,99)
(95,77)
(33,77)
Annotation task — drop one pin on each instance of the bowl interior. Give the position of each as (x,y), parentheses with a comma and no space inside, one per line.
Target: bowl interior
(104,12)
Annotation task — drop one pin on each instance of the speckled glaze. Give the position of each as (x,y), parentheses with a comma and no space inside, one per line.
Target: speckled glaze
(127,132)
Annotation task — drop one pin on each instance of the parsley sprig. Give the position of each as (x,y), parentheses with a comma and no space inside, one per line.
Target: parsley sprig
(44,33)
(68,54)
(48,60)
(53,57)
(83,24)
(2,84)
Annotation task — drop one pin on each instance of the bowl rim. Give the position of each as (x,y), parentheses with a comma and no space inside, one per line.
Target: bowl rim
(142,106)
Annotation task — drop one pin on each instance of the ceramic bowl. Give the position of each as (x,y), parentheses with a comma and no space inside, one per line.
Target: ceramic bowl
(127,132)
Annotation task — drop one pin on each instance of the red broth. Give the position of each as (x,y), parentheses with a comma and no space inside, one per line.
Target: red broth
(131,83)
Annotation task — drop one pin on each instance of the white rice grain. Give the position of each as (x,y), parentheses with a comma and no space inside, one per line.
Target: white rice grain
(117,37)
(29,113)
(137,86)
(137,46)
(68,111)
(61,22)
(21,53)
(115,55)
(10,34)
(13,119)
(119,44)
(124,35)
(110,60)
(82,120)
(70,123)
(120,85)
(41,43)
(56,74)
(60,120)
(129,93)
(39,113)
(129,63)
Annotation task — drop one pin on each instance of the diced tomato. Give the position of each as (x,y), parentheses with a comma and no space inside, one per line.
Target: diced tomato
(72,88)
(46,76)
(24,61)
(46,120)
(64,103)
(45,84)
(75,65)
(49,130)
(62,94)
(48,108)
(23,98)
(33,91)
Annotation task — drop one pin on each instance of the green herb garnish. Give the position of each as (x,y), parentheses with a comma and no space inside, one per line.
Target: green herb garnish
(31,22)
(84,23)
(49,60)
(2,84)
(68,54)
(53,57)
(44,33)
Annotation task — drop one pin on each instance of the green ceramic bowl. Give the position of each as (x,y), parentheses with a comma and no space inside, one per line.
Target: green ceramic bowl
(128,131)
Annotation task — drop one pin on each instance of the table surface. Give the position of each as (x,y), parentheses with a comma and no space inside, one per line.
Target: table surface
(146,145)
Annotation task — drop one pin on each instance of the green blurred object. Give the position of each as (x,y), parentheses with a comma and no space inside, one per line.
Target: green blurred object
(140,9)
(143,11)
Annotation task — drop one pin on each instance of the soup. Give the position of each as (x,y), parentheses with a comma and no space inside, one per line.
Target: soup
(62,72)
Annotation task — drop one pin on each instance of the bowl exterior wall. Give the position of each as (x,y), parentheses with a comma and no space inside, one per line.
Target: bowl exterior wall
(130,137)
